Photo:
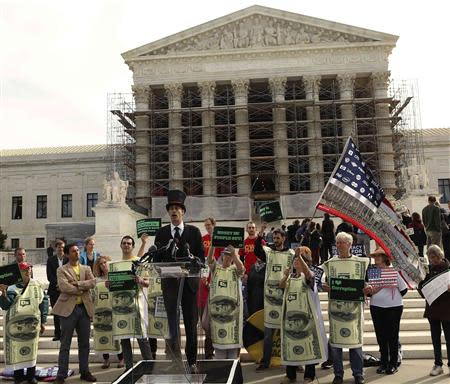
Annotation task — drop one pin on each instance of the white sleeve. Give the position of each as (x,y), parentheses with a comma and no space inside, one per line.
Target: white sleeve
(401,283)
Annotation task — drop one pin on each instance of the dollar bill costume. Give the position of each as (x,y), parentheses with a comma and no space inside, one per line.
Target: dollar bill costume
(129,308)
(158,325)
(27,309)
(346,317)
(276,263)
(103,320)
(225,307)
(303,337)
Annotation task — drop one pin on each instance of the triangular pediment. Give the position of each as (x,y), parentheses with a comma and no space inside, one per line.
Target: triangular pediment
(259,27)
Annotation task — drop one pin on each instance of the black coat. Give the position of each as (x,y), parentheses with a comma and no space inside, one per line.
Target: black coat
(52,266)
(191,235)
(255,290)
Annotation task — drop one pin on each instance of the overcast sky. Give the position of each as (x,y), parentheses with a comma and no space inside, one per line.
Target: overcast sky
(59,59)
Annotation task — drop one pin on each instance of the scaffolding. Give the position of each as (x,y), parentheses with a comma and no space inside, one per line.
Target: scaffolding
(313,134)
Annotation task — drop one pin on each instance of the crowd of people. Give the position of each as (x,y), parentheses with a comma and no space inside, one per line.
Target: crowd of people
(278,271)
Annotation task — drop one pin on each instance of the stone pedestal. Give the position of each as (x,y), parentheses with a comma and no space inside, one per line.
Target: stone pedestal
(112,222)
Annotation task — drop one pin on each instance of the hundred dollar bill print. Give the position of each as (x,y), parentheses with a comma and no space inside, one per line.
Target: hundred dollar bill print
(302,331)
(346,317)
(277,262)
(22,324)
(225,308)
(158,325)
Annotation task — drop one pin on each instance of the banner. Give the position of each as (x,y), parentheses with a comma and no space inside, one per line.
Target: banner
(346,317)
(224,236)
(356,250)
(148,226)
(157,316)
(22,324)
(301,339)
(270,212)
(346,289)
(276,263)
(10,274)
(121,281)
(225,308)
(103,320)
(129,308)
(436,286)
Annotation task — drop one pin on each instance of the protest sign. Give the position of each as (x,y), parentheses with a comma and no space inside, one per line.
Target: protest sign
(121,281)
(148,226)
(270,212)
(10,274)
(346,289)
(223,236)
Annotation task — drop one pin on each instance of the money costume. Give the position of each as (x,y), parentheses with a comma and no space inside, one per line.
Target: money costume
(303,337)
(276,263)
(225,307)
(129,308)
(102,321)
(158,325)
(346,317)
(26,309)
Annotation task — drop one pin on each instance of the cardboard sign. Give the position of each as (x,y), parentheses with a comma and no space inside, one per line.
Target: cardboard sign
(356,250)
(270,212)
(223,236)
(121,281)
(318,273)
(148,226)
(346,289)
(10,274)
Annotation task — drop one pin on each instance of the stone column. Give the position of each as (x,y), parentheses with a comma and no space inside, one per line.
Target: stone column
(141,97)
(174,94)
(312,84)
(380,82)
(207,89)
(346,86)
(240,88)
(278,87)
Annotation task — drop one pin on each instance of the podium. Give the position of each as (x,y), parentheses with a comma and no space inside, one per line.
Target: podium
(169,280)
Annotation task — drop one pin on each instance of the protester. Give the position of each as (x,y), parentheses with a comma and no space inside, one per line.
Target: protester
(88,255)
(189,240)
(328,238)
(315,243)
(53,263)
(344,227)
(431,216)
(100,270)
(269,236)
(291,231)
(386,288)
(225,303)
(75,307)
(419,236)
(137,313)
(50,250)
(24,302)
(301,230)
(302,315)
(438,313)
(20,255)
(247,254)
(445,230)
(277,257)
(255,287)
(345,265)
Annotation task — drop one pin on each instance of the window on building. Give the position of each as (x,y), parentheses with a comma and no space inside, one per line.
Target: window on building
(41,207)
(444,190)
(91,202)
(66,205)
(15,243)
(40,242)
(16,208)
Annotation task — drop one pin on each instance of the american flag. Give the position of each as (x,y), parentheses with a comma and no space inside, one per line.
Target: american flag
(353,194)
(382,277)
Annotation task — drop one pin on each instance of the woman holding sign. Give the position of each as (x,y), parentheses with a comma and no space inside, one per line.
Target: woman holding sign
(438,313)
(225,303)
(386,288)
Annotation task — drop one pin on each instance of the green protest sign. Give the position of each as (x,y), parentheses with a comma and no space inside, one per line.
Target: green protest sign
(223,236)
(270,212)
(10,274)
(346,289)
(121,281)
(148,226)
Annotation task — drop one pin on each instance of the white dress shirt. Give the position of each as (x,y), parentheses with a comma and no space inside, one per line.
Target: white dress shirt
(172,229)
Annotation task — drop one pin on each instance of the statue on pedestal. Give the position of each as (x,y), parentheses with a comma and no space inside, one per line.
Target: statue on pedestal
(115,190)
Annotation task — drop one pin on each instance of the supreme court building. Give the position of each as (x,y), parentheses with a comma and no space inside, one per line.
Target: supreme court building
(257,105)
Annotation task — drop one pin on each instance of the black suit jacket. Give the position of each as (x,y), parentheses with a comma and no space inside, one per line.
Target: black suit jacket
(191,235)
(52,266)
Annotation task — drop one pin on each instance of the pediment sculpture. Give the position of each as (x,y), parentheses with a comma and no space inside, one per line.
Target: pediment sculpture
(114,190)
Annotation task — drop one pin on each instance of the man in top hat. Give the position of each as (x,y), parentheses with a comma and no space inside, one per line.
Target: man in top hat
(188,239)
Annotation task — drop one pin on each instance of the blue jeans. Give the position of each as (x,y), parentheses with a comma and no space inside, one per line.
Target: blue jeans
(267,353)
(356,361)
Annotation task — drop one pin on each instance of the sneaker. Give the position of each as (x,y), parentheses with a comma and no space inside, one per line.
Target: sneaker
(121,364)
(437,370)
(359,380)
(327,364)
(337,380)
(87,376)
(381,370)
(392,369)
(261,367)
(106,364)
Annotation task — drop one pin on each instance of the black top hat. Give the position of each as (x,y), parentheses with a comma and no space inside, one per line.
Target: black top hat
(176,197)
